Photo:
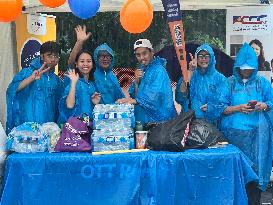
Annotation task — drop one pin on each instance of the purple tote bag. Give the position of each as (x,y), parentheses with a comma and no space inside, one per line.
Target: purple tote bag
(75,137)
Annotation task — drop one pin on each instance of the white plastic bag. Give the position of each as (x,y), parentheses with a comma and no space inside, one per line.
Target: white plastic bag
(54,132)
(3,150)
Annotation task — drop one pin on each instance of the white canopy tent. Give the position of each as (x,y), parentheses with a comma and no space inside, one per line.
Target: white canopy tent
(116,5)
(8,56)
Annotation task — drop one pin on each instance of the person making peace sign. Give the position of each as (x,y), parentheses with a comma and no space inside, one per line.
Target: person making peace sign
(34,93)
(206,86)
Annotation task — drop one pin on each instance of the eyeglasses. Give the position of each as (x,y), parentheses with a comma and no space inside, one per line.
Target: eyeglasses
(203,56)
(51,56)
(107,57)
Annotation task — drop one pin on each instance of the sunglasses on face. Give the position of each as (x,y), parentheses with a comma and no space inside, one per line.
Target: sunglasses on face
(203,56)
(107,57)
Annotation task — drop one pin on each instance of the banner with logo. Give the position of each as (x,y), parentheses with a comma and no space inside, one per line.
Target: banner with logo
(31,31)
(174,19)
(244,24)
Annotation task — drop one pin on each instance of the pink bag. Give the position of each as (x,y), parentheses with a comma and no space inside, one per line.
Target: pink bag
(75,136)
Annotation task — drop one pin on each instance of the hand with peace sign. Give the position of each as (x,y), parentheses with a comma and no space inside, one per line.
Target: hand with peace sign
(36,75)
(193,63)
(82,36)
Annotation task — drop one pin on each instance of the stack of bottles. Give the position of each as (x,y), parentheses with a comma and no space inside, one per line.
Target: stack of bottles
(112,124)
(27,137)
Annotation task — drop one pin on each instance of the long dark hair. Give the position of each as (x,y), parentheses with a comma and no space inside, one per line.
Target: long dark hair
(261,58)
(91,74)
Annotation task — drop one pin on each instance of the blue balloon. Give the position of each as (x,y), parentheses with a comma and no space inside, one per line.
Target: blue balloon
(84,9)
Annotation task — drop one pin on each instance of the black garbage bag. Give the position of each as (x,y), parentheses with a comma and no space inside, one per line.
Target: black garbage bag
(168,136)
(203,134)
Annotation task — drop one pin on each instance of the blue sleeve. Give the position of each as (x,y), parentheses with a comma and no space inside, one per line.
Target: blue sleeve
(119,93)
(12,95)
(151,92)
(132,90)
(60,91)
(181,98)
(218,101)
(267,92)
(64,111)
(192,85)
(66,82)
(18,78)
(61,88)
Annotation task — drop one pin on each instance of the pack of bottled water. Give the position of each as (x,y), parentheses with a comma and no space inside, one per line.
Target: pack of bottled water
(27,137)
(112,125)
(117,115)
(109,140)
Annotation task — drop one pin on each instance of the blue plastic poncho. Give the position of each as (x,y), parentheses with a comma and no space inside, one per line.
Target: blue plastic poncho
(154,95)
(205,88)
(182,97)
(83,103)
(38,102)
(251,132)
(105,80)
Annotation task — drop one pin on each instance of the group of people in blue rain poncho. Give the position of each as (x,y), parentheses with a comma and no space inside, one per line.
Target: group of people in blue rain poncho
(240,105)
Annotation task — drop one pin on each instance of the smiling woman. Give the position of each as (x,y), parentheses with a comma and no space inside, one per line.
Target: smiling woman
(80,95)
(259,51)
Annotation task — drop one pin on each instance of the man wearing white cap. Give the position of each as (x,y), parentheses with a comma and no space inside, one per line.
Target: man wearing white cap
(247,121)
(151,92)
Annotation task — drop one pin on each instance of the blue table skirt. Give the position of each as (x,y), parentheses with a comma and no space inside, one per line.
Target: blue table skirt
(211,176)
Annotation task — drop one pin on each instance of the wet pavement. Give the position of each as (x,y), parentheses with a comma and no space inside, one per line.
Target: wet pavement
(267,197)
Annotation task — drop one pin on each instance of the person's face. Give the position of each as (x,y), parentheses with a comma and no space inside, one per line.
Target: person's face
(105,59)
(245,74)
(256,49)
(84,64)
(144,55)
(51,59)
(203,58)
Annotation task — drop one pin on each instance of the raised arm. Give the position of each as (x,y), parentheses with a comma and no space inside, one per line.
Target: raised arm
(82,36)
(70,99)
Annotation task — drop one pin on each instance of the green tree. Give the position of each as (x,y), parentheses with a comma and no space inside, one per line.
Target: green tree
(200,26)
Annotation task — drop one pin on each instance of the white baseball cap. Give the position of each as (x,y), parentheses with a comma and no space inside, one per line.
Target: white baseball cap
(143,43)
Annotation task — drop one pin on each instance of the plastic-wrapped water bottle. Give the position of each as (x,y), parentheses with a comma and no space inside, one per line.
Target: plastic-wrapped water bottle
(28,137)
(113,124)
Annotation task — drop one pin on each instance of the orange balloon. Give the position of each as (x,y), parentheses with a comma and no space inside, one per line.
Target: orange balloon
(52,3)
(10,9)
(136,15)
